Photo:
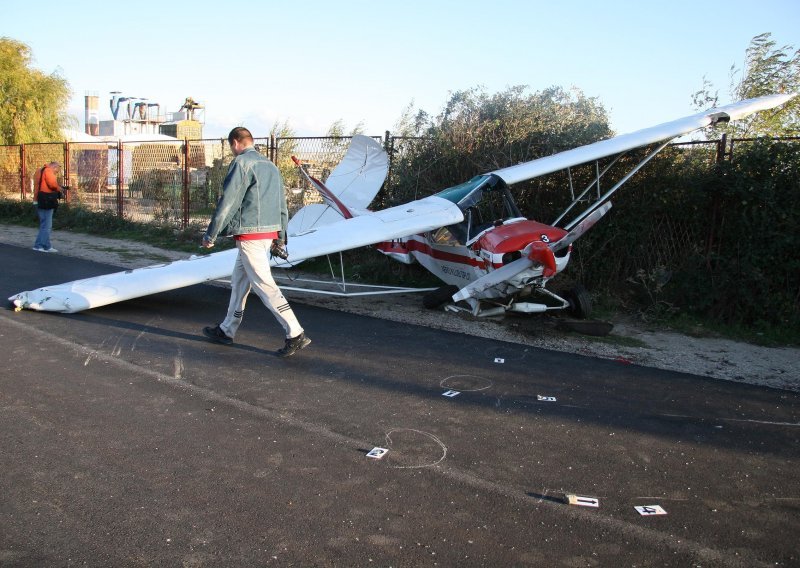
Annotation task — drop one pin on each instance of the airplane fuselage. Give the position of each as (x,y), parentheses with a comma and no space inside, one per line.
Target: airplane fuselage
(461,264)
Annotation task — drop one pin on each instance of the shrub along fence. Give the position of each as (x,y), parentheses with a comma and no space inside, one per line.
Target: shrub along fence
(710,227)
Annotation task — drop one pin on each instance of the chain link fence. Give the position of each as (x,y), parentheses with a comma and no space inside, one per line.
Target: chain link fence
(169,183)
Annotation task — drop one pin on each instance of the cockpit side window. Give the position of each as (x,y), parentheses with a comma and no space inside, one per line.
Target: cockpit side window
(444,236)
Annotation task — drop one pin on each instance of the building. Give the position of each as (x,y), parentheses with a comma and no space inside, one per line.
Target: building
(133,116)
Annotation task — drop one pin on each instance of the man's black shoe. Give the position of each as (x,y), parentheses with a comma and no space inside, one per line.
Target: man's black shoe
(293,345)
(216,335)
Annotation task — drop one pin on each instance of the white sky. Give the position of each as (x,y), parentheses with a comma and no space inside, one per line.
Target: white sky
(317,61)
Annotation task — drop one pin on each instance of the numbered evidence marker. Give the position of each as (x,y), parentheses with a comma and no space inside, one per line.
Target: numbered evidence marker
(451,393)
(499,360)
(546,398)
(377,453)
(648,510)
(581,501)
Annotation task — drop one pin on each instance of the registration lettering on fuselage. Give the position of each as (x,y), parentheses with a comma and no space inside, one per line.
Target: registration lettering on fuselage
(457,272)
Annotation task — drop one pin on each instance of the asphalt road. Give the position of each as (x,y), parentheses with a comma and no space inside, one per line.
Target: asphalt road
(127,439)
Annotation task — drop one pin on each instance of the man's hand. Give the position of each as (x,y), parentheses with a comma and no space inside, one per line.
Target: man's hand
(278,249)
(207,243)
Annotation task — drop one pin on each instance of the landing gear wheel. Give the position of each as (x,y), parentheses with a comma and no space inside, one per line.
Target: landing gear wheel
(580,303)
(438,297)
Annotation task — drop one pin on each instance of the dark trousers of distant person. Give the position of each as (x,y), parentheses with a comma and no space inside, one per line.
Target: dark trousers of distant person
(45,227)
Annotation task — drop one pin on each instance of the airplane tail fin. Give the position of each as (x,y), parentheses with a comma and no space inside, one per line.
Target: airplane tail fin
(351,186)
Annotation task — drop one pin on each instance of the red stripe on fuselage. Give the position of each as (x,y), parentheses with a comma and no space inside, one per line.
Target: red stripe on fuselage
(413,245)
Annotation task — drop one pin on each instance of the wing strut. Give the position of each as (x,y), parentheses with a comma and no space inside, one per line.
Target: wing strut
(576,200)
(619,184)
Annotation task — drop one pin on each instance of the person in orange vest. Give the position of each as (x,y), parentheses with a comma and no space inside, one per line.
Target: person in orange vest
(47,193)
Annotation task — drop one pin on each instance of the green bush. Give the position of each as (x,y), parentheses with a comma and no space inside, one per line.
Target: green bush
(717,242)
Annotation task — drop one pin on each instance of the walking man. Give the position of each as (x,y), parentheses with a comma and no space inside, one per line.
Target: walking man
(252,209)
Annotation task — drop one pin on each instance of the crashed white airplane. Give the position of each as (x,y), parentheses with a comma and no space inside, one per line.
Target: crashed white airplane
(472,236)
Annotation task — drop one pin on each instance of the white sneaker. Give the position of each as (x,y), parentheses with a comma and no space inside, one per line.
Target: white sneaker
(38,249)
(51,249)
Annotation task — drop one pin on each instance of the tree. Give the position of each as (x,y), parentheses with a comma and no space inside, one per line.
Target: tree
(767,70)
(477,132)
(287,147)
(410,122)
(337,129)
(32,104)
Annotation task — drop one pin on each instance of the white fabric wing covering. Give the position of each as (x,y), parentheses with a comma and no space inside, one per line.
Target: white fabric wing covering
(415,217)
(645,137)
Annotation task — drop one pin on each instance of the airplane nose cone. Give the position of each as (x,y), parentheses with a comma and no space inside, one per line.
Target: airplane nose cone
(543,254)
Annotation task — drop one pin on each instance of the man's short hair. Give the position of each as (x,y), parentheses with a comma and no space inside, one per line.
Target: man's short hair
(241,134)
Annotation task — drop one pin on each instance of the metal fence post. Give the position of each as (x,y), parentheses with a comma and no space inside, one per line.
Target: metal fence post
(721,143)
(120,177)
(66,170)
(185,183)
(22,192)
(388,147)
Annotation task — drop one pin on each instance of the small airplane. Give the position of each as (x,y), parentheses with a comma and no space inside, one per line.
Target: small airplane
(471,236)
(494,259)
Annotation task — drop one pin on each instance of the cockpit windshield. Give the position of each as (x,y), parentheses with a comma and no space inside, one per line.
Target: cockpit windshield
(484,200)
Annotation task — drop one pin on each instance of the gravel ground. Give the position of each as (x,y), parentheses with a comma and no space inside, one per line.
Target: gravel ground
(629,341)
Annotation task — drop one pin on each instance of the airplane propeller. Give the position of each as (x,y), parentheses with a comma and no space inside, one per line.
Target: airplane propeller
(495,277)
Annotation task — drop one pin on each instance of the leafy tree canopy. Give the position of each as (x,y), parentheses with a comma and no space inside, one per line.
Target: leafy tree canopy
(478,132)
(768,69)
(337,129)
(32,104)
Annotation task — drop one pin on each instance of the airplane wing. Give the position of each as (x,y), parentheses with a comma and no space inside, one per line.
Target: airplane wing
(80,295)
(370,228)
(645,137)
(415,217)
(662,133)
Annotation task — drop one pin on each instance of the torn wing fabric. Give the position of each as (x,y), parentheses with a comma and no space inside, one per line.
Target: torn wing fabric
(415,217)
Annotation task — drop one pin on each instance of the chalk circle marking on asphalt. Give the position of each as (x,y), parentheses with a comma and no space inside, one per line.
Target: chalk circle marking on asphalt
(413,431)
(466,383)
